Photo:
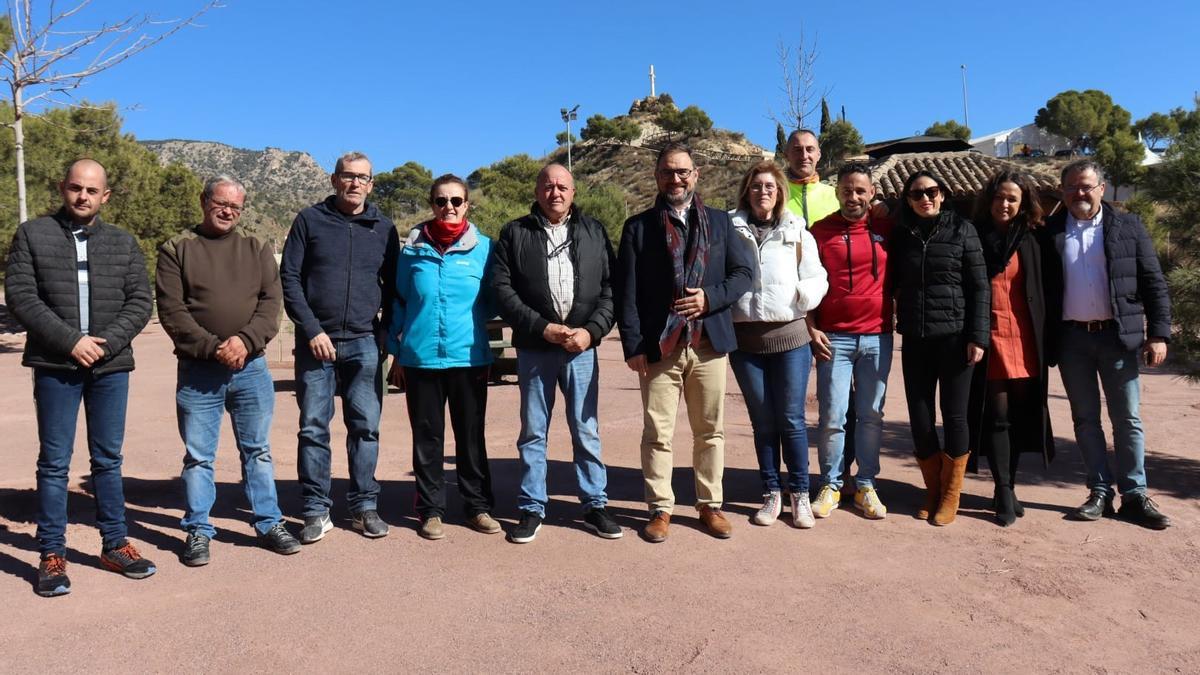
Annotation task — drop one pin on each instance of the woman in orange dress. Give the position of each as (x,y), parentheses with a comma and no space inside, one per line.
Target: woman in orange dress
(1008,413)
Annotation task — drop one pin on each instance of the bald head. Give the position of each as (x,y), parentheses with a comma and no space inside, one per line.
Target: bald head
(555,192)
(84,188)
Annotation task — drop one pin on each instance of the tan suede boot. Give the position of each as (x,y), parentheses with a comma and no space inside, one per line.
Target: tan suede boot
(931,470)
(953,470)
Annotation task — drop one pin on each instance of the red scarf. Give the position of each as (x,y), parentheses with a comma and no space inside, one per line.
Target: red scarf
(443,234)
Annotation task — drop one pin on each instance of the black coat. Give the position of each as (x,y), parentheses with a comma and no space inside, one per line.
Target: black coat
(941,281)
(41,288)
(645,286)
(1137,288)
(1030,421)
(522,282)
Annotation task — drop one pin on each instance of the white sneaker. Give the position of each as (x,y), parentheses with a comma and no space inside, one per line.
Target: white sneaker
(802,515)
(769,513)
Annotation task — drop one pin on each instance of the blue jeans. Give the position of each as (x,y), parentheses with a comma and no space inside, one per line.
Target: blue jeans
(540,373)
(56,396)
(353,375)
(1083,356)
(774,387)
(865,359)
(203,392)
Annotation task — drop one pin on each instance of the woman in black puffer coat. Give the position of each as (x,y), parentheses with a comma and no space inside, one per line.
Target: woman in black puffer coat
(942,303)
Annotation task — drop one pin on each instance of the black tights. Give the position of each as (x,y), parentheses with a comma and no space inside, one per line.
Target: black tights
(930,363)
(1006,401)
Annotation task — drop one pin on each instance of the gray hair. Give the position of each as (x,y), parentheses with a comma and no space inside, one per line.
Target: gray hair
(352,156)
(210,185)
(1081,165)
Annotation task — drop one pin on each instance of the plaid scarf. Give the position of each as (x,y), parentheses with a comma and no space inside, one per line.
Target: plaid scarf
(689,257)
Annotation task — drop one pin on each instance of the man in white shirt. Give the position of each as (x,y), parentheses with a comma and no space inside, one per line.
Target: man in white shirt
(1114,305)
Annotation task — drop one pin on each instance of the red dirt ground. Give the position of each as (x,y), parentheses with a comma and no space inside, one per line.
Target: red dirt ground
(1046,595)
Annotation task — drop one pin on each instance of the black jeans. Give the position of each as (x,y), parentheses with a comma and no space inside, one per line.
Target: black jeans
(427,392)
(928,363)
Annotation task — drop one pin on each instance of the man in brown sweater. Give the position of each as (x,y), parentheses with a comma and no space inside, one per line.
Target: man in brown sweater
(219,299)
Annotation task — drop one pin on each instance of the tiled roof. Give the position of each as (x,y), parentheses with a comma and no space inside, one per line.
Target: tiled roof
(964,172)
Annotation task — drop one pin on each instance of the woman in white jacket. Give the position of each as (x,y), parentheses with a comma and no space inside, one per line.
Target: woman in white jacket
(773,358)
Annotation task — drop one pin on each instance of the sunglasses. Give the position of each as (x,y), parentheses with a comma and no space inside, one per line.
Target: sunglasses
(930,193)
(441,202)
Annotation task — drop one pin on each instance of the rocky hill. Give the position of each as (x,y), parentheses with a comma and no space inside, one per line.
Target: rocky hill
(279,183)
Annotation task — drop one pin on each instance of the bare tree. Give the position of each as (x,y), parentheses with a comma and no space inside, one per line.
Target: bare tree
(48,58)
(800,95)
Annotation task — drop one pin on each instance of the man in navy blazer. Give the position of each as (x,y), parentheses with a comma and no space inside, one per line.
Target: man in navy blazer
(679,269)
(1109,289)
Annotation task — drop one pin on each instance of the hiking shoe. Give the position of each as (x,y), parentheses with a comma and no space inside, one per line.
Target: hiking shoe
(526,529)
(370,524)
(126,560)
(195,550)
(279,540)
(482,522)
(52,577)
(315,528)
(1140,509)
(867,501)
(802,513)
(827,500)
(597,520)
(431,528)
(769,513)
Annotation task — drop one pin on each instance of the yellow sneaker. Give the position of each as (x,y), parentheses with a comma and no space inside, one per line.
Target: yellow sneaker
(827,500)
(867,501)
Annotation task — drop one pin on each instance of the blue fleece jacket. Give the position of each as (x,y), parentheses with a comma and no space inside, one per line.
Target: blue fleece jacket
(336,269)
(442,302)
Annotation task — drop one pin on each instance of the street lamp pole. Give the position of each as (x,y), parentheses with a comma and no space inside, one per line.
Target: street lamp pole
(567,116)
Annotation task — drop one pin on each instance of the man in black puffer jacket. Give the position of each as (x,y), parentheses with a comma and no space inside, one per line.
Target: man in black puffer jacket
(553,275)
(79,286)
(1105,284)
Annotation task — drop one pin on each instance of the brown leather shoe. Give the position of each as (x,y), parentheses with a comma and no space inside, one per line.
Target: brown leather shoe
(715,522)
(656,530)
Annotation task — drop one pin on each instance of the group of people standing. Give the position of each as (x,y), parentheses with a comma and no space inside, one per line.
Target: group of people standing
(800,271)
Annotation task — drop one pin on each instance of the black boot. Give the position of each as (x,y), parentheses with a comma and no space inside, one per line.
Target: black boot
(1012,481)
(1005,500)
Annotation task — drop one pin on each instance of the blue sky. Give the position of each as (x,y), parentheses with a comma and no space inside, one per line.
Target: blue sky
(457,85)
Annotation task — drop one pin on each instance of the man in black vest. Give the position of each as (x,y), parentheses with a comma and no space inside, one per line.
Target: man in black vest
(79,286)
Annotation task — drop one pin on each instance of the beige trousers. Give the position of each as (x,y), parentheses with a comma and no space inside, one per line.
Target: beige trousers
(699,375)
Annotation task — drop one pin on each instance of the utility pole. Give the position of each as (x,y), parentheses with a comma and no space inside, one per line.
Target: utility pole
(651,80)
(966,123)
(567,116)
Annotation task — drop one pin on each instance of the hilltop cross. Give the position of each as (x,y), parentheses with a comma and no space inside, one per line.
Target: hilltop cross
(651,80)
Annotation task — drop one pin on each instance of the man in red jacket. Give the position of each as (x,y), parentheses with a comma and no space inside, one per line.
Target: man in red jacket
(852,339)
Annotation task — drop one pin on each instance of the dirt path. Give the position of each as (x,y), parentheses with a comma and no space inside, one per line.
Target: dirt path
(1047,595)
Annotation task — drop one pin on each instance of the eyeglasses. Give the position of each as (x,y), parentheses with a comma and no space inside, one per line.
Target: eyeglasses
(768,188)
(1080,189)
(456,202)
(360,178)
(930,193)
(221,206)
(681,174)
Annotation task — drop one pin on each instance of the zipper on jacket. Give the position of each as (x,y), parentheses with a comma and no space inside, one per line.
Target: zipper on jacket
(924,250)
(349,275)
(849,261)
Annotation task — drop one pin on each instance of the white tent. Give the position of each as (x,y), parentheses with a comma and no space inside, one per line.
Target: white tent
(1012,141)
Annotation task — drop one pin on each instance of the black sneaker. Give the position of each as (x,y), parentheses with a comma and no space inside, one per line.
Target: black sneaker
(126,560)
(52,576)
(526,529)
(1097,506)
(1140,509)
(370,524)
(195,550)
(279,540)
(598,521)
(315,528)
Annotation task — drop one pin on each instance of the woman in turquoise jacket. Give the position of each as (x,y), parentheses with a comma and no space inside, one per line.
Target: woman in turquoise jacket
(438,334)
